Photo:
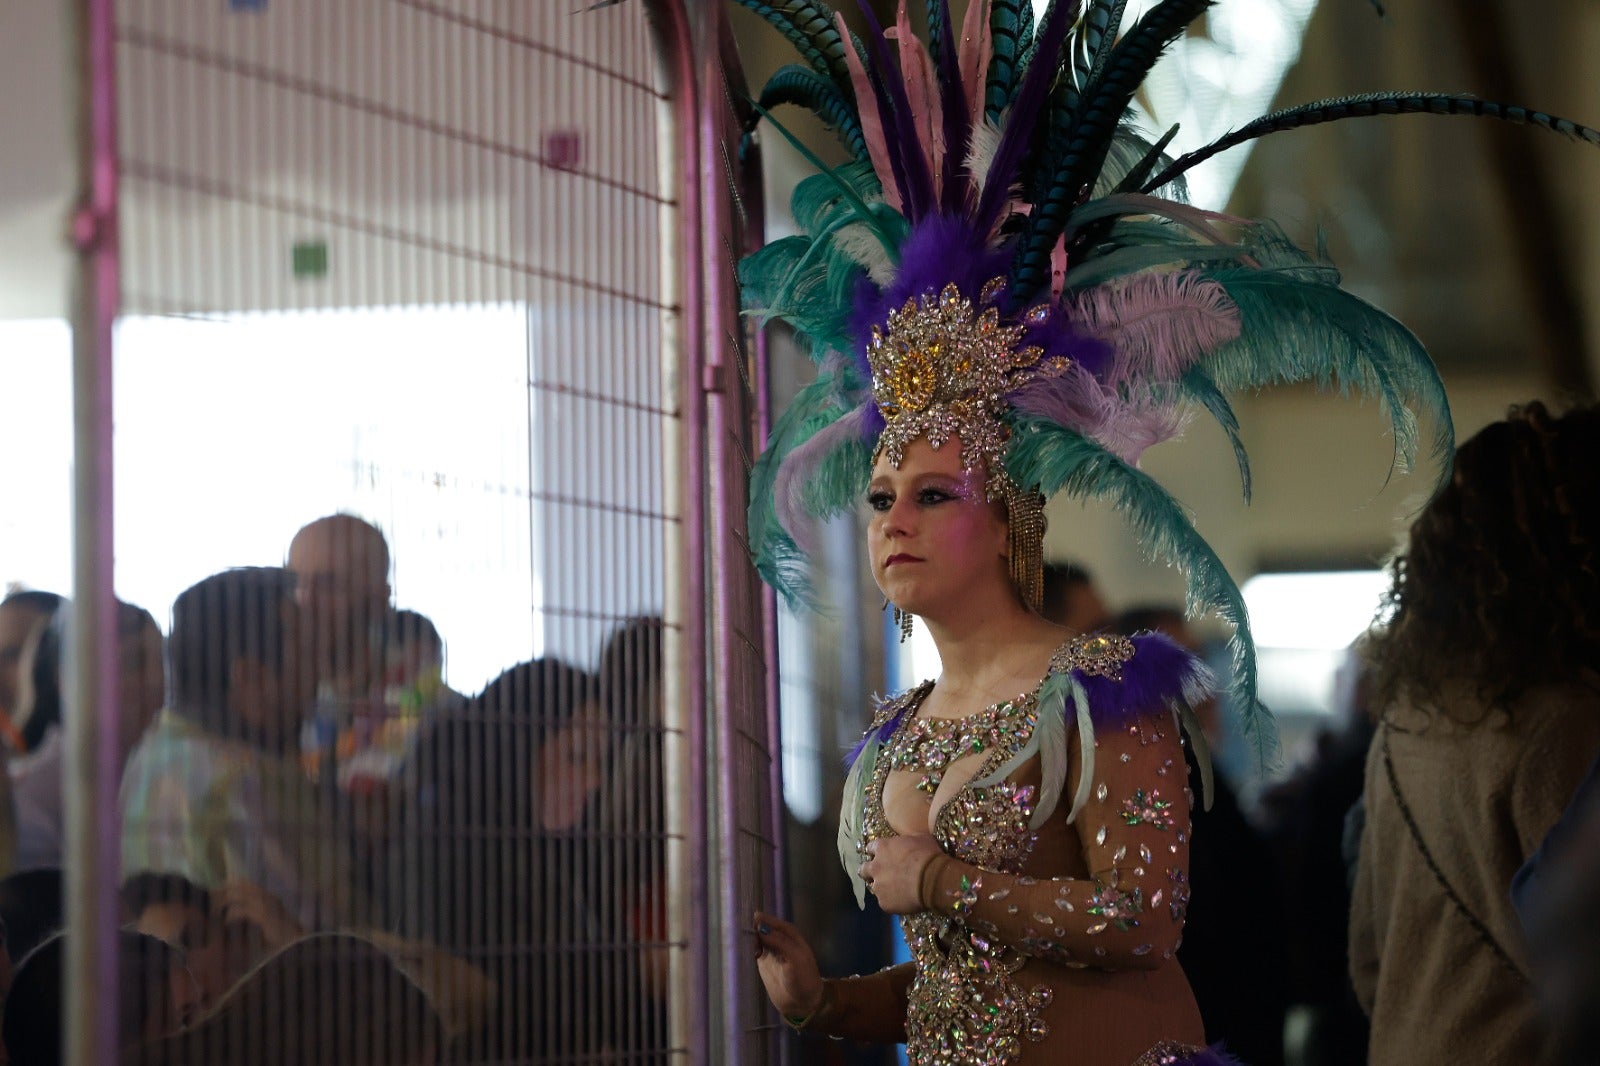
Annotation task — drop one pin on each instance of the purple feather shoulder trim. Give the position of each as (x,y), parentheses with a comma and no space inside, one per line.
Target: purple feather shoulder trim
(1210,1056)
(886,718)
(1158,673)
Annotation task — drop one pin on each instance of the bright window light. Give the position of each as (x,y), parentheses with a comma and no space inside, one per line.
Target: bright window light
(232,431)
(1313,611)
(1303,624)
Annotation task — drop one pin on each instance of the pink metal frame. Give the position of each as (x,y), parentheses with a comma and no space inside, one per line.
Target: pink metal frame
(92,838)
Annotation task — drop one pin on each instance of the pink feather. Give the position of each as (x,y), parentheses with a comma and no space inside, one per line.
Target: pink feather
(871,120)
(1125,426)
(799,468)
(922,90)
(1158,324)
(975,51)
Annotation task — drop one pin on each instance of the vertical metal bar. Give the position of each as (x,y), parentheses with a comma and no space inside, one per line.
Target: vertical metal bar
(684,713)
(92,770)
(730,600)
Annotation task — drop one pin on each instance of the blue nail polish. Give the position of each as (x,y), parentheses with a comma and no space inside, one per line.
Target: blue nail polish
(764,929)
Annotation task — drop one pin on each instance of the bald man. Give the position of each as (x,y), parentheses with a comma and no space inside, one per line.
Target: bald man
(341,569)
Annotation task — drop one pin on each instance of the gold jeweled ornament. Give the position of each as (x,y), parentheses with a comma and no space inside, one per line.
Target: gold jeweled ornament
(942,369)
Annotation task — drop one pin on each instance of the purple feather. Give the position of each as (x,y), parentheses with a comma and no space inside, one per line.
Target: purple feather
(957,120)
(889,81)
(1062,335)
(879,736)
(1023,112)
(799,469)
(1210,1056)
(939,250)
(1159,672)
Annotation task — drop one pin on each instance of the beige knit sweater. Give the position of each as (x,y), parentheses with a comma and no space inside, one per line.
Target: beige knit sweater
(1483,797)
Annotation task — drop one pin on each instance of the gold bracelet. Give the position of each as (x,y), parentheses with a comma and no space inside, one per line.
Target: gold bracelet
(798,1024)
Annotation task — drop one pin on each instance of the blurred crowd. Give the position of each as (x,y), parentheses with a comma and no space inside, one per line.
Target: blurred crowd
(328,855)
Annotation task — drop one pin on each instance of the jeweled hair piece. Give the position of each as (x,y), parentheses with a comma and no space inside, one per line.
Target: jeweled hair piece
(1006,260)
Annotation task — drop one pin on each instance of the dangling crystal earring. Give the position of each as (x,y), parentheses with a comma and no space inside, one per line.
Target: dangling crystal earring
(903,620)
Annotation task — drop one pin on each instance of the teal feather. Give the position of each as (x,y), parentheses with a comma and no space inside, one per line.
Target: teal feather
(809,26)
(1009,27)
(1117,176)
(1372,104)
(1101,24)
(777,558)
(1299,326)
(838,177)
(821,247)
(1099,269)
(1055,459)
(762,272)
(1093,125)
(1198,386)
(803,87)
(938,32)
(1031,40)
(817,198)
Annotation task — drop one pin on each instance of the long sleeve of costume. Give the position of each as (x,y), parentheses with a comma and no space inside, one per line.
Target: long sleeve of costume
(1134,833)
(870,1008)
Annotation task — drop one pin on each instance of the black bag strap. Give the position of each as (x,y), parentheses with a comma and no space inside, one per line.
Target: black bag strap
(1427,856)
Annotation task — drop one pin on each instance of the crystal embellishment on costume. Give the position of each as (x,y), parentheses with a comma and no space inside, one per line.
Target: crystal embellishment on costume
(941,368)
(1178,900)
(1147,808)
(1168,1053)
(1100,655)
(968,1002)
(1119,906)
(927,746)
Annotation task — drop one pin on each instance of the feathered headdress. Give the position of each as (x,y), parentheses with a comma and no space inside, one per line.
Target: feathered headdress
(1006,259)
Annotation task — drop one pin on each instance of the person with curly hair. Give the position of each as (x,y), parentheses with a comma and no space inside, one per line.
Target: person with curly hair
(1488,705)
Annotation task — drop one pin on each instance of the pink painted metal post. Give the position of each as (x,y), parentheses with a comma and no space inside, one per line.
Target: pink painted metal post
(92,762)
(689,909)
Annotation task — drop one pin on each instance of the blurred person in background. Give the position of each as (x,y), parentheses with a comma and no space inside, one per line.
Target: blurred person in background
(496,861)
(36,777)
(323,999)
(1557,896)
(1232,950)
(156,995)
(32,909)
(1486,689)
(632,821)
(1072,600)
(1303,817)
(341,568)
(214,792)
(22,614)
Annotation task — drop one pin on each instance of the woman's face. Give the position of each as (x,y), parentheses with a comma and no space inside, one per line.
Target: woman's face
(933,537)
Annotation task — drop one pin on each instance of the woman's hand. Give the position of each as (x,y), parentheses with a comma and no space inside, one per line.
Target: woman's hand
(244,902)
(893,871)
(788,967)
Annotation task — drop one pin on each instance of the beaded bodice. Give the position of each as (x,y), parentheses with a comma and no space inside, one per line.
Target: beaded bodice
(966,1004)
(1063,818)
(927,746)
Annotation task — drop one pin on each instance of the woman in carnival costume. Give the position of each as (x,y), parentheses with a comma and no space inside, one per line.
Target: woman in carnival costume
(1007,297)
